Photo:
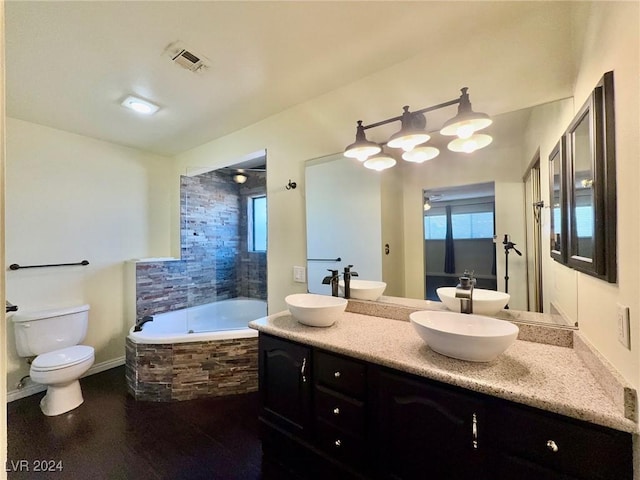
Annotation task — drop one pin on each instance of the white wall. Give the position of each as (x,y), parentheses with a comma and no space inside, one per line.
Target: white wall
(70,198)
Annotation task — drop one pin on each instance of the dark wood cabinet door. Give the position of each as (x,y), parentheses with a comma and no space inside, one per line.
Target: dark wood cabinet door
(285,384)
(551,446)
(427,431)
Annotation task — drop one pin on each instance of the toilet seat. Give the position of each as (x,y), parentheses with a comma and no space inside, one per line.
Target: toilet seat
(63,358)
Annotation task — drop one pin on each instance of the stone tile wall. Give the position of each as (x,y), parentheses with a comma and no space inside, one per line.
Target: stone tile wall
(186,371)
(215,262)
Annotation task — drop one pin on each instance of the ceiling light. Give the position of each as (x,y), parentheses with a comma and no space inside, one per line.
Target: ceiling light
(466,122)
(471,144)
(412,135)
(239,178)
(421,154)
(380,162)
(427,204)
(139,105)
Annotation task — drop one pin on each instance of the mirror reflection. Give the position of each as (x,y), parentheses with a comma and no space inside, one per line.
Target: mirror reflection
(582,190)
(377,221)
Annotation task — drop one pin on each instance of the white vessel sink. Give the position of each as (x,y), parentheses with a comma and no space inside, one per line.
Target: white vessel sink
(467,337)
(315,310)
(363,289)
(485,302)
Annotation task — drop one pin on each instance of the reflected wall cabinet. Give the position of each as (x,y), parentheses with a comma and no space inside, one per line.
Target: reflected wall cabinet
(583,188)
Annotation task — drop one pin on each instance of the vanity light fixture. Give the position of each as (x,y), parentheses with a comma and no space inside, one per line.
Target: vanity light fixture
(139,105)
(412,135)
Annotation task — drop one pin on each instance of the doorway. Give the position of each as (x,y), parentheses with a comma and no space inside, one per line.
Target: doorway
(533,213)
(459,232)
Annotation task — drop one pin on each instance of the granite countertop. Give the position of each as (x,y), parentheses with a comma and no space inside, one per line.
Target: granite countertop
(548,377)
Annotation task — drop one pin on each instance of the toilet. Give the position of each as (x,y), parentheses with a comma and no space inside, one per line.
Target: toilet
(53,337)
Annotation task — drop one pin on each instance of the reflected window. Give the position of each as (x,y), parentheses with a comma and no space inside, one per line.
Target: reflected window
(257,216)
(464,226)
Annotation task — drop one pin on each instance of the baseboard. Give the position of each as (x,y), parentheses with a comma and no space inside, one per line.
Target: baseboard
(31,388)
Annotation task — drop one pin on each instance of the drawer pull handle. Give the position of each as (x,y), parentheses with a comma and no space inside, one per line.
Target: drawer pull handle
(336,374)
(474,431)
(337,443)
(336,411)
(302,370)
(551,445)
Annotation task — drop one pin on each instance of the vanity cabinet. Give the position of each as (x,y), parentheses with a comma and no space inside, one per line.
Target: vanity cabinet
(368,421)
(284,376)
(426,431)
(340,390)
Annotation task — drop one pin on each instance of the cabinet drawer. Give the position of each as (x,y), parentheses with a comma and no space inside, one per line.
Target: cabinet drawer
(341,374)
(343,412)
(342,446)
(553,442)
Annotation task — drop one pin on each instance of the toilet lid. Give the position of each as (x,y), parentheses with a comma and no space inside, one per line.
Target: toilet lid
(65,357)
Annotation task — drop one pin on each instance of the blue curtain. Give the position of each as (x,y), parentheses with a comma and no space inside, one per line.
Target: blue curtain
(449,256)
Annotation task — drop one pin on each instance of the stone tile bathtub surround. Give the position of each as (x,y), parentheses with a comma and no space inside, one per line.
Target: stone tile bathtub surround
(545,376)
(185,371)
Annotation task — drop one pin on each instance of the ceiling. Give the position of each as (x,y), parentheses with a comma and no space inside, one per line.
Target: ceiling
(70,64)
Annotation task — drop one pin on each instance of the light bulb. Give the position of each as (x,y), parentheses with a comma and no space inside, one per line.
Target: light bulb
(465,130)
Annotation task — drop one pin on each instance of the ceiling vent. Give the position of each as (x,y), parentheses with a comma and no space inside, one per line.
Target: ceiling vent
(187,58)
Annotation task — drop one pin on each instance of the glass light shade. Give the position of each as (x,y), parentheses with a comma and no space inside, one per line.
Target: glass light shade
(139,105)
(421,154)
(466,124)
(362,151)
(239,178)
(407,140)
(380,162)
(471,144)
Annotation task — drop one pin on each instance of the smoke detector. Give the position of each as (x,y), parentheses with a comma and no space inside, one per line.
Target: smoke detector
(187,58)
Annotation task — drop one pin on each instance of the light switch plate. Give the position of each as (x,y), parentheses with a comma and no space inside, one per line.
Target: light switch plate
(624,336)
(299,274)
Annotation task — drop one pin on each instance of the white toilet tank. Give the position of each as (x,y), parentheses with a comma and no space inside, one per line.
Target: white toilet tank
(43,331)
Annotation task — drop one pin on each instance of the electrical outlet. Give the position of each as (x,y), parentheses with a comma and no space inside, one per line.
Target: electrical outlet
(299,275)
(623,326)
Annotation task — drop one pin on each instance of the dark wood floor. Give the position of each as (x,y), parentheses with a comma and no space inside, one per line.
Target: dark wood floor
(113,436)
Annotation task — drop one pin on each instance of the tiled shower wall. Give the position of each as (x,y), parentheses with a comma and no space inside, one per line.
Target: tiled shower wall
(215,262)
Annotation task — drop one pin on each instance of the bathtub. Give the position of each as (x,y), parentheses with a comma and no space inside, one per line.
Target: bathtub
(165,362)
(214,321)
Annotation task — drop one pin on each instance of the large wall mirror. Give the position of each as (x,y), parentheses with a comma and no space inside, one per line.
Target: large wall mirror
(590,202)
(376,220)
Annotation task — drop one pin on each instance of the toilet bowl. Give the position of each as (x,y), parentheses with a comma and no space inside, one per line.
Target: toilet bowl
(53,337)
(60,371)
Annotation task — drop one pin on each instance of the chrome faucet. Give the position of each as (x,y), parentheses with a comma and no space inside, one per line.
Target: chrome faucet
(333,281)
(464,291)
(347,280)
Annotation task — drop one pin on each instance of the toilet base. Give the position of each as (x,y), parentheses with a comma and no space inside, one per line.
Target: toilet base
(61,398)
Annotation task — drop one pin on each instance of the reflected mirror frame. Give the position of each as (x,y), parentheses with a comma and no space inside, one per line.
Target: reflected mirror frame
(598,110)
(558,238)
